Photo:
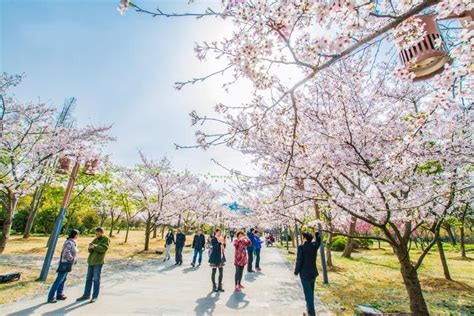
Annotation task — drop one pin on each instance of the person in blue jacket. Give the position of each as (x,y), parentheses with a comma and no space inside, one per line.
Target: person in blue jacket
(258,247)
(250,249)
(306,267)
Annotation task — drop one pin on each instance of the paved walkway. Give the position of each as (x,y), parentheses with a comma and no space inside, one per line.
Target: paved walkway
(158,288)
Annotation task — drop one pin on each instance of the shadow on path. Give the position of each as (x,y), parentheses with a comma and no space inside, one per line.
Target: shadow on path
(237,301)
(168,268)
(28,311)
(252,276)
(206,305)
(67,309)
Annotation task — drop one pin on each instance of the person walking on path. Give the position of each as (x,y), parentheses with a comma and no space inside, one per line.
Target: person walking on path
(169,240)
(231,235)
(306,267)
(180,240)
(199,242)
(217,260)
(258,247)
(66,261)
(250,249)
(97,250)
(241,258)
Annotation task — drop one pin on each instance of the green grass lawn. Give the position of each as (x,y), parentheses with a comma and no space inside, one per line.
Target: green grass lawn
(372,278)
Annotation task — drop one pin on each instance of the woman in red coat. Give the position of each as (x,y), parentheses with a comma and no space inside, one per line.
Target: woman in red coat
(241,258)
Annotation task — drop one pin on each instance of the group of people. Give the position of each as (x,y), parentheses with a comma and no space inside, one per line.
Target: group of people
(97,250)
(246,246)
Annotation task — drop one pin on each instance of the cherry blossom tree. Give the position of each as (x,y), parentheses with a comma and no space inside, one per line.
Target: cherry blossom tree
(348,123)
(159,189)
(29,140)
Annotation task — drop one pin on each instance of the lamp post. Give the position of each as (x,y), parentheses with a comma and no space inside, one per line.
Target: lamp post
(90,170)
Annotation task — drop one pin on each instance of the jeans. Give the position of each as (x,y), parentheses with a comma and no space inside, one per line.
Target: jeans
(308,289)
(93,276)
(239,272)
(179,254)
(168,252)
(196,253)
(257,258)
(250,254)
(58,286)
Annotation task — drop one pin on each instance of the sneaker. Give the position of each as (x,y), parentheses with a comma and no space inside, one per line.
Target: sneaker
(52,301)
(62,297)
(258,269)
(250,271)
(93,300)
(83,298)
(237,288)
(214,289)
(241,286)
(220,289)
(192,264)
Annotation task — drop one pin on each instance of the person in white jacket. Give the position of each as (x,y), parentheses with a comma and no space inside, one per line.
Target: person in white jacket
(68,258)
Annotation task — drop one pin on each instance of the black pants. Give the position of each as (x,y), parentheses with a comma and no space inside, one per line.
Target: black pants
(250,254)
(308,289)
(179,254)
(213,276)
(239,272)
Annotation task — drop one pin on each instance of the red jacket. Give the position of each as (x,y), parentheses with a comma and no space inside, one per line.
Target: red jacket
(240,246)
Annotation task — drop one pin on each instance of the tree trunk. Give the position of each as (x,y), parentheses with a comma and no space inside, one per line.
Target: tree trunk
(112,224)
(444,262)
(7,223)
(163,232)
(292,238)
(126,234)
(33,211)
(147,235)
(328,251)
(349,246)
(450,234)
(462,242)
(155,231)
(412,284)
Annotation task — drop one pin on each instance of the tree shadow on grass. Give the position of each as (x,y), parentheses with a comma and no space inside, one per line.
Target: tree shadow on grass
(366,261)
(206,305)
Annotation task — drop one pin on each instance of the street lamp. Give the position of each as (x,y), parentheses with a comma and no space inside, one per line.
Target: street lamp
(63,168)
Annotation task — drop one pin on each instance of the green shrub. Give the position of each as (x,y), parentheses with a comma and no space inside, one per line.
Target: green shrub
(363,243)
(19,221)
(338,243)
(45,220)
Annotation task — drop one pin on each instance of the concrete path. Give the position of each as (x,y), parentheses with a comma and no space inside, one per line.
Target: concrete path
(157,288)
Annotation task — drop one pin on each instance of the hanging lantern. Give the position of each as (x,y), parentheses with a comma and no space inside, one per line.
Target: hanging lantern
(428,57)
(91,167)
(64,163)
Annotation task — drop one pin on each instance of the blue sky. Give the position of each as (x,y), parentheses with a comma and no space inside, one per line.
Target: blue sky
(121,69)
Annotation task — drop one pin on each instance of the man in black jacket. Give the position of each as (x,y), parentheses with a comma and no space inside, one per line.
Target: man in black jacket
(306,268)
(180,239)
(198,245)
